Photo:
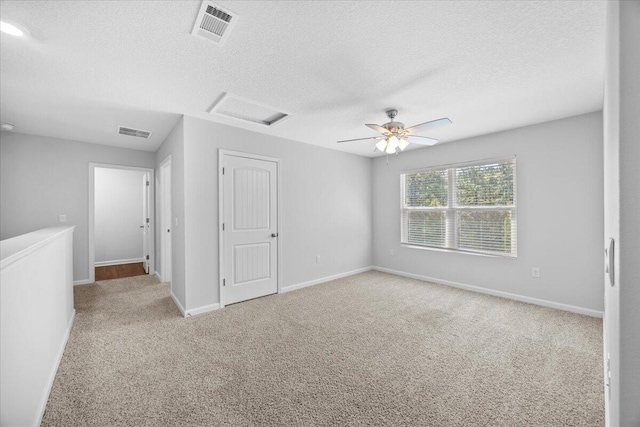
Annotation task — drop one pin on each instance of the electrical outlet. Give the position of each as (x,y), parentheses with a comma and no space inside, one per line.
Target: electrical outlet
(62,218)
(392,252)
(535,272)
(317,259)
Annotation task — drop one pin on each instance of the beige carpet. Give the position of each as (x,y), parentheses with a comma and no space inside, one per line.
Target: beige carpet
(370,349)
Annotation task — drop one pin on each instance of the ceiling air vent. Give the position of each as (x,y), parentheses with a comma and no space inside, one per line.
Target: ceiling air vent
(246,110)
(134,132)
(214,22)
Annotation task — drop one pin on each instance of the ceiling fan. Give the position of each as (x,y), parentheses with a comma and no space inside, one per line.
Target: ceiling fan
(395,137)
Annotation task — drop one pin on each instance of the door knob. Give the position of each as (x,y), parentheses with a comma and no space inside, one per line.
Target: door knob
(274,234)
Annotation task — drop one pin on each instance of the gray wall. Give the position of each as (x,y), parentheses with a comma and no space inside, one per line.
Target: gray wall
(326,207)
(118,196)
(622,205)
(42,177)
(560,214)
(173,146)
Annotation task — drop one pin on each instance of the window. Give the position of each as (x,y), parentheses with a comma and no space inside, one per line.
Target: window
(468,207)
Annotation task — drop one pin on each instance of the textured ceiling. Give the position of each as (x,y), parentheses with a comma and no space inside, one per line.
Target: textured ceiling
(89,66)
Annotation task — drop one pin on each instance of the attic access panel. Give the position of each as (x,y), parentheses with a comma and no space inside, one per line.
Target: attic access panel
(248,111)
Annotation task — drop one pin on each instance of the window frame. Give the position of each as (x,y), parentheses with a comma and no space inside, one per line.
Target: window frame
(451,210)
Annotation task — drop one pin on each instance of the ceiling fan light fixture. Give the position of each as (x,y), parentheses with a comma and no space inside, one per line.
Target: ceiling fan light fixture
(390,149)
(393,144)
(395,137)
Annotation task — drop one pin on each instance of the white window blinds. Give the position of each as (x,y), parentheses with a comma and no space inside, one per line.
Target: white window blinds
(469,207)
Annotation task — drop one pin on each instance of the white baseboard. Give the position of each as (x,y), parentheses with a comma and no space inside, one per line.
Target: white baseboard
(323,280)
(194,311)
(177,303)
(118,262)
(52,375)
(158,276)
(82,282)
(521,298)
(202,310)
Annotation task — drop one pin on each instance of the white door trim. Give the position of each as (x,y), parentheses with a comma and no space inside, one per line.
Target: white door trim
(165,276)
(221,154)
(92,225)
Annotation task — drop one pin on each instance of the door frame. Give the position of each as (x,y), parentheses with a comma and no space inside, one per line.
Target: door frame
(163,221)
(146,211)
(221,154)
(92,225)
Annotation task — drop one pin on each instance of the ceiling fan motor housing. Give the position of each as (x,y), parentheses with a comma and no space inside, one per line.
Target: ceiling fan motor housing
(393,127)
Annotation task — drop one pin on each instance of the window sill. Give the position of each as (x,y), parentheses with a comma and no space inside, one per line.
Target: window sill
(455,251)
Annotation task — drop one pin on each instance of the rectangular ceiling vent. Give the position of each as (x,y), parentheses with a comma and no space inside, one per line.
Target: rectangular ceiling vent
(134,132)
(246,110)
(214,23)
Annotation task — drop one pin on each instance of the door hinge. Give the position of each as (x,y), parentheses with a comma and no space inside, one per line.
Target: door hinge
(147,257)
(222,171)
(223,226)
(224,282)
(147,183)
(147,220)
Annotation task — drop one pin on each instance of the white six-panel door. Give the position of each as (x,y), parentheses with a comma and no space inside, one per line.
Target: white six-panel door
(250,228)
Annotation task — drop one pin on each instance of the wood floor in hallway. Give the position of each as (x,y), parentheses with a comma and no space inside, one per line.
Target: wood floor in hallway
(119,271)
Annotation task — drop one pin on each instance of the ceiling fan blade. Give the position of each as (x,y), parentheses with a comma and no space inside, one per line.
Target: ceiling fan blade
(379,129)
(422,140)
(361,139)
(429,125)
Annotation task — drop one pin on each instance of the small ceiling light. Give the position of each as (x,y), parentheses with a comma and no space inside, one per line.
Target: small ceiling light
(7,126)
(381,145)
(393,144)
(11,29)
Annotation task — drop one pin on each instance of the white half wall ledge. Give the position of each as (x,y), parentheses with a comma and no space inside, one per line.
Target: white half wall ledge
(507,295)
(37,315)
(82,282)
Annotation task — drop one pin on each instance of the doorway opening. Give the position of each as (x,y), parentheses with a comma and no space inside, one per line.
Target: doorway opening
(121,223)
